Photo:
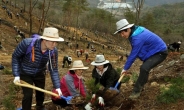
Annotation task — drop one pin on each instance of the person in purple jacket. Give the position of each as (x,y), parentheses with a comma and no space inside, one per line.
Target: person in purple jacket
(147,46)
(30,67)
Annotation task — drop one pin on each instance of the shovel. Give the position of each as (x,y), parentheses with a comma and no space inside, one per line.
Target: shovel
(25,84)
(115,88)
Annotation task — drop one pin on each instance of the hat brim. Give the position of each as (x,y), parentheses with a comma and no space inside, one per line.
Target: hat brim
(97,64)
(128,26)
(59,39)
(83,68)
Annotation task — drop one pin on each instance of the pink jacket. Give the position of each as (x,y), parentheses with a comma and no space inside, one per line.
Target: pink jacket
(71,85)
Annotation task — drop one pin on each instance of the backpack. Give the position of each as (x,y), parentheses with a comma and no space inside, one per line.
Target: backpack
(31,49)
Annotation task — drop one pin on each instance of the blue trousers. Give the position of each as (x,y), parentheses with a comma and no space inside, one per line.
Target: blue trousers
(145,68)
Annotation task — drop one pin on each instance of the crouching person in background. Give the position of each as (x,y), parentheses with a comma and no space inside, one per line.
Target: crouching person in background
(72,84)
(67,59)
(174,46)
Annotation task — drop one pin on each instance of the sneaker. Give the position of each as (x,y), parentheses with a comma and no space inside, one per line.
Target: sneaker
(135,95)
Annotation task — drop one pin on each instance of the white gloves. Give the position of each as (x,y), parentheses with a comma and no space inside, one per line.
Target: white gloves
(88,106)
(59,91)
(93,98)
(123,71)
(101,101)
(16,79)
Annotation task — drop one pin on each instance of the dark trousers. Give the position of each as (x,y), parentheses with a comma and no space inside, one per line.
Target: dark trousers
(145,68)
(38,81)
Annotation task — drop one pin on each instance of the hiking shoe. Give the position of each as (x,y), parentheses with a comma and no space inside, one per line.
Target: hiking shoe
(135,95)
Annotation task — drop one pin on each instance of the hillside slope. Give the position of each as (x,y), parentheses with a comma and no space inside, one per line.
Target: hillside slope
(171,68)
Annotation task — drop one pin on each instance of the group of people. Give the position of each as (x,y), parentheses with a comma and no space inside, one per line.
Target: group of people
(146,45)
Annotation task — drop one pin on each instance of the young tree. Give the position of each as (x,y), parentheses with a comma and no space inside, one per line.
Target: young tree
(31,7)
(72,9)
(44,14)
(138,7)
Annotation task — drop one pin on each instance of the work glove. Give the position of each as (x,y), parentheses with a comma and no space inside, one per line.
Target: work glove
(88,106)
(59,91)
(123,71)
(16,79)
(93,98)
(100,101)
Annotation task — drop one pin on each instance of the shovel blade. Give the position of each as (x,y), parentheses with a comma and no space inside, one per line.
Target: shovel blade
(19,108)
(114,89)
(68,99)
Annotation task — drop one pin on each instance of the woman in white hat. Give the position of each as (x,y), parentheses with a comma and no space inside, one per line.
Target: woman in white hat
(72,83)
(29,62)
(147,46)
(104,74)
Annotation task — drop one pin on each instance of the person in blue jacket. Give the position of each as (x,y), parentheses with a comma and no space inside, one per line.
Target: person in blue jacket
(30,67)
(147,46)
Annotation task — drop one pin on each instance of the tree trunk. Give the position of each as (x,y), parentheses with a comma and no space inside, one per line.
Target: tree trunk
(30,18)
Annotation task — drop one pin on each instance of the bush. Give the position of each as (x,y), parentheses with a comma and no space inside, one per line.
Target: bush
(7,101)
(134,77)
(173,93)
(125,78)
(118,70)
(7,71)
(91,86)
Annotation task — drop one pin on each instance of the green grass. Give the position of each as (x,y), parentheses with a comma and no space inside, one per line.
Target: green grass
(173,93)
(7,71)
(8,99)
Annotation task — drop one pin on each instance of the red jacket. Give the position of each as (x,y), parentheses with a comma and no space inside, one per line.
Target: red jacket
(71,85)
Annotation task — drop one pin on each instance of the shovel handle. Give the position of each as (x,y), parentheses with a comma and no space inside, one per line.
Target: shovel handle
(25,84)
(121,77)
(119,80)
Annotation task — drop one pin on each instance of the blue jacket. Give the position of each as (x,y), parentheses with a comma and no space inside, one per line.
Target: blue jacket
(144,44)
(22,64)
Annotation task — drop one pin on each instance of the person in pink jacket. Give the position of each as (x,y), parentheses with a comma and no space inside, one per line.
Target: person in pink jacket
(71,84)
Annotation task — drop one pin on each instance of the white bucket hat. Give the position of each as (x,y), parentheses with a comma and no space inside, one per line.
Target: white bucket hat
(51,34)
(77,64)
(122,25)
(99,60)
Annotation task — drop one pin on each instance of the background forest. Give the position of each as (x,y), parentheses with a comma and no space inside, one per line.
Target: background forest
(166,20)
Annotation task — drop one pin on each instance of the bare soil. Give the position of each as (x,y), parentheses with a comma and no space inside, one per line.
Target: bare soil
(147,100)
(172,67)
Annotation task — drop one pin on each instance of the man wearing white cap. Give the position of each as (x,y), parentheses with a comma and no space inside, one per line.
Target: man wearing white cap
(147,46)
(30,66)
